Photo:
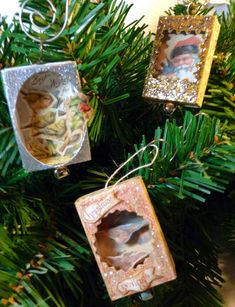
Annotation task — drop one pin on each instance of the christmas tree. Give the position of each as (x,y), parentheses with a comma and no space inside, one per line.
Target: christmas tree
(45,258)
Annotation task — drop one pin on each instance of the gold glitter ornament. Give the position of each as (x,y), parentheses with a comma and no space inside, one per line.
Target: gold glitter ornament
(181,60)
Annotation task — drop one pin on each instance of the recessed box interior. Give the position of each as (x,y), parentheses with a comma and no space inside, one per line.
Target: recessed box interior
(182,56)
(126,238)
(44,102)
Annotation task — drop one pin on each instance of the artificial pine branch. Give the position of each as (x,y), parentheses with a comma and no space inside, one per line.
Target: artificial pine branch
(196,160)
(31,263)
(227,32)
(111,57)
(219,100)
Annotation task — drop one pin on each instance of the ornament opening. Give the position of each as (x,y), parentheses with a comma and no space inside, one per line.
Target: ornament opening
(123,240)
(48,117)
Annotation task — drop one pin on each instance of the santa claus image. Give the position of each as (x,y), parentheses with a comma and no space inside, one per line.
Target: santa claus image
(183,57)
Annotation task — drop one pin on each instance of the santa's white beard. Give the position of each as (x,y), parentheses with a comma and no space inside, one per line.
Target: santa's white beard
(185,72)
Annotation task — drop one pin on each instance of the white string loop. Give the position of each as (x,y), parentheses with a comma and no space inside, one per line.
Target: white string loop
(135,169)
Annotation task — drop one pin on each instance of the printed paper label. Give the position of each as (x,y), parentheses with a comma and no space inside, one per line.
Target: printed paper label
(94,211)
(139,282)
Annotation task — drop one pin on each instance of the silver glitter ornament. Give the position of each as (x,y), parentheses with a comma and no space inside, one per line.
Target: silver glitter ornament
(46,107)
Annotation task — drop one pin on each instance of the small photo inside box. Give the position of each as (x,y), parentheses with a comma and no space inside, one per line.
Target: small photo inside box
(49,114)
(124,240)
(182,56)
(178,56)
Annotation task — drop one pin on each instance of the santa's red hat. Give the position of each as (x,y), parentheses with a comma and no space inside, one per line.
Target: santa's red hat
(193,40)
(188,45)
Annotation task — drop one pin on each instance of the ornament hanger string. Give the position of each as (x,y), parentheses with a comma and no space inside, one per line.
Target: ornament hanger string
(141,150)
(41,29)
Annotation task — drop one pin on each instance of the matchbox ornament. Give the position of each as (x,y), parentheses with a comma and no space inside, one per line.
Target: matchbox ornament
(48,110)
(181,61)
(49,113)
(126,238)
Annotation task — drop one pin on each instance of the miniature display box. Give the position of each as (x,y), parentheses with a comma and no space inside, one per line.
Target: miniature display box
(181,61)
(126,238)
(45,103)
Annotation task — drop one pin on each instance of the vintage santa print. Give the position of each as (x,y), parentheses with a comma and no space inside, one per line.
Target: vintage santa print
(179,56)
(181,60)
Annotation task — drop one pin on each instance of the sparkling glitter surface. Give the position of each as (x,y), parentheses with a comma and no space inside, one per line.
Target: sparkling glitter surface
(164,88)
(13,80)
(131,195)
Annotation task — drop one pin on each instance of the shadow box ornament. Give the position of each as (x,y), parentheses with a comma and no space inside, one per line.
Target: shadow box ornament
(48,111)
(126,238)
(181,60)
(45,103)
